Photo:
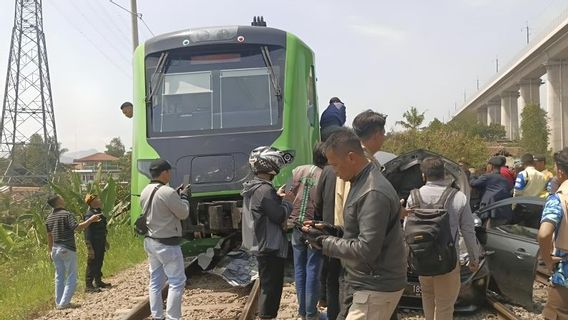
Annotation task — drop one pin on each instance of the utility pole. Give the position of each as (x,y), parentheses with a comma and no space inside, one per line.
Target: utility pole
(528,32)
(134,17)
(477,83)
(497,64)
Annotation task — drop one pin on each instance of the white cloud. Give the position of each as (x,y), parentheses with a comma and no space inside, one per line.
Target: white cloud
(379,31)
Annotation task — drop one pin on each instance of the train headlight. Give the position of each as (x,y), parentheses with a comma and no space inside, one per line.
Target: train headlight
(288,156)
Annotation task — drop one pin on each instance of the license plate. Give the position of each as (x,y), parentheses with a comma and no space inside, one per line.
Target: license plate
(413,290)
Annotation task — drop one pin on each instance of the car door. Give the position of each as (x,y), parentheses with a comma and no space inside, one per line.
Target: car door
(512,252)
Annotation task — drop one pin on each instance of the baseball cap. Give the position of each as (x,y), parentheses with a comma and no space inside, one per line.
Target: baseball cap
(89,198)
(334,99)
(159,166)
(539,157)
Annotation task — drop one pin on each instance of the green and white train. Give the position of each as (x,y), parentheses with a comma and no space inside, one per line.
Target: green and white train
(204,98)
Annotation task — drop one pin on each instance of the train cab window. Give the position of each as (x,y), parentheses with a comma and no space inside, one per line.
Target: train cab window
(247,99)
(187,100)
(215,89)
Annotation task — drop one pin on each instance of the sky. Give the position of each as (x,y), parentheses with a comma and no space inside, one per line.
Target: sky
(384,55)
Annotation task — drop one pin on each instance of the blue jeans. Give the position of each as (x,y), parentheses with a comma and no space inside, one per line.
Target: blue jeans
(307,267)
(65,262)
(166,262)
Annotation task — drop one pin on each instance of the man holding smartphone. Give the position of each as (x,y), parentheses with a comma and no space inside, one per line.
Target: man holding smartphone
(166,208)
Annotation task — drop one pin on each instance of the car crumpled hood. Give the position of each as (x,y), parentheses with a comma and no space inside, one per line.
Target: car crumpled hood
(404,173)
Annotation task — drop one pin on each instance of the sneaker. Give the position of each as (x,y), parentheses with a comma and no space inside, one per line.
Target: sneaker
(92,289)
(68,306)
(100,284)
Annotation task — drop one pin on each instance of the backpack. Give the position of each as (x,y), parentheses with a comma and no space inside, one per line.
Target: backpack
(428,235)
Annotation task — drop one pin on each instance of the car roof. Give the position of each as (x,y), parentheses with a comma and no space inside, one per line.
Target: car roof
(514,200)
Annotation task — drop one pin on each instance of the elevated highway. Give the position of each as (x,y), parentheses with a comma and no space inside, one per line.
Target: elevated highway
(517,85)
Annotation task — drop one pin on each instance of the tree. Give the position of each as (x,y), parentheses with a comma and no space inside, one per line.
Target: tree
(34,160)
(534,129)
(450,143)
(436,124)
(124,163)
(115,148)
(468,122)
(413,119)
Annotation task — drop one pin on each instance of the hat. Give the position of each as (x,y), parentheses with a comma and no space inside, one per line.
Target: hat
(539,157)
(497,161)
(89,198)
(334,99)
(160,165)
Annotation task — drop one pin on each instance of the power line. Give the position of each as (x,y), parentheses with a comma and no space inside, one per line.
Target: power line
(139,15)
(108,17)
(104,37)
(129,76)
(144,22)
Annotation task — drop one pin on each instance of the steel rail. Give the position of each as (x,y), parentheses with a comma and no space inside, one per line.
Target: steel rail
(503,311)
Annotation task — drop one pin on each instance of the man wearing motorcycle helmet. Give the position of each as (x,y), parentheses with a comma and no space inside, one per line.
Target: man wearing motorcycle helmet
(263,226)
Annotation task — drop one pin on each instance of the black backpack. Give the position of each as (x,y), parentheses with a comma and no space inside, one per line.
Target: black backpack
(428,235)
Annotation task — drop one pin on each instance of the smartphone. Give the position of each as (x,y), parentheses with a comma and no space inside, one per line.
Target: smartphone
(289,185)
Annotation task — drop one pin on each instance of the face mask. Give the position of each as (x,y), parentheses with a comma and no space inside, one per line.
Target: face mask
(338,105)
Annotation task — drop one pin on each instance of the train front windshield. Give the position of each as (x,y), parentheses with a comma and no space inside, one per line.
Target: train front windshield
(201,90)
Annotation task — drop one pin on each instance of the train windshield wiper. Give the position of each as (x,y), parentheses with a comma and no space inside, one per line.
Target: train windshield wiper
(268,63)
(157,77)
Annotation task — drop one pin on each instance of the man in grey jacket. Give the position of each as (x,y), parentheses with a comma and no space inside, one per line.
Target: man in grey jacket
(439,293)
(372,244)
(162,243)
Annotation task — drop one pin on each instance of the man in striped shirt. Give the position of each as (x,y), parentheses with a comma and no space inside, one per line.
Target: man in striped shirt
(61,226)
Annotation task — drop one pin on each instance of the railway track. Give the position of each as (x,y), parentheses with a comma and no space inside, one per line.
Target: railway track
(542,277)
(503,312)
(208,297)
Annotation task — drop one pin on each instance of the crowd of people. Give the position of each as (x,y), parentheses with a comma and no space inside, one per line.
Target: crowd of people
(352,238)
(529,178)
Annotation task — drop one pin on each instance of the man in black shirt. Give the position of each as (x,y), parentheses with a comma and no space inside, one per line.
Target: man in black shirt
(95,238)
(61,226)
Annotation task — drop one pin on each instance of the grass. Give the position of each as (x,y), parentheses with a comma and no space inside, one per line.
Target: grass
(26,282)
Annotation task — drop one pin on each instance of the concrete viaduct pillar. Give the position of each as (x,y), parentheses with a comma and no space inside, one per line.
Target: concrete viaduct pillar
(482,115)
(530,92)
(557,103)
(510,114)
(494,112)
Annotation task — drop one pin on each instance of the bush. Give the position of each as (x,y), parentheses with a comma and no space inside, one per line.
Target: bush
(26,270)
(26,281)
(442,140)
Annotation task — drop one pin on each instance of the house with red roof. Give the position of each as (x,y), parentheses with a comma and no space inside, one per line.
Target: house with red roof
(87,167)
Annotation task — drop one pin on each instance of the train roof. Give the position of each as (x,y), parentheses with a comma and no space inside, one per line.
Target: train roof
(216,35)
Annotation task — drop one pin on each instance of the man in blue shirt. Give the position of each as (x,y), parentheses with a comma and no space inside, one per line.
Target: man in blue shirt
(553,241)
(332,118)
